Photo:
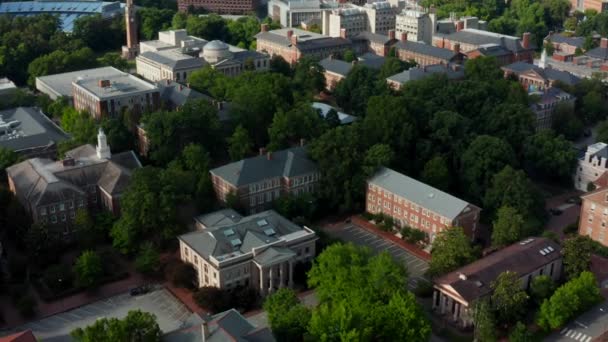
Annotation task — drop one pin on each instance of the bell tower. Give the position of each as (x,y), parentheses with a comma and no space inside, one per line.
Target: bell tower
(130,50)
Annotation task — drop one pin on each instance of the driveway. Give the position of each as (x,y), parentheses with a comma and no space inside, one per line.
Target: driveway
(416,267)
(569,215)
(170,313)
(584,328)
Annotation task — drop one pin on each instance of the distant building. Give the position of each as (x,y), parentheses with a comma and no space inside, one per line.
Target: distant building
(292,13)
(456,293)
(591,166)
(335,70)
(6,86)
(424,54)
(259,251)
(594,215)
(547,104)
(601,52)
(110,95)
(470,41)
(220,6)
(564,44)
(60,85)
(583,5)
(293,44)
(175,55)
(258,181)
(414,204)
(452,72)
(418,25)
(537,78)
(376,17)
(89,178)
(324,109)
(367,43)
(67,11)
(30,133)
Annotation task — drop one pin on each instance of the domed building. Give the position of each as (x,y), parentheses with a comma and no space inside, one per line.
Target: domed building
(216,51)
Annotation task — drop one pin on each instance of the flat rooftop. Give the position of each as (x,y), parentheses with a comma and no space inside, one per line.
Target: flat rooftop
(25,127)
(61,84)
(121,84)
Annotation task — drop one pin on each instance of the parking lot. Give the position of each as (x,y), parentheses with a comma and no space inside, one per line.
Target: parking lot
(359,236)
(171,314)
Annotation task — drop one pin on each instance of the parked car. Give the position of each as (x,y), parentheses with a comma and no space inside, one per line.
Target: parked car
(555,211)
(574,200)
(136,291)
(587,132)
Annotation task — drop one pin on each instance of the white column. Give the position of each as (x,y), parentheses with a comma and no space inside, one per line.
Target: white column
(290,273)
(456,311)
(262,282)
(271,289)
(282,275)
(435,294)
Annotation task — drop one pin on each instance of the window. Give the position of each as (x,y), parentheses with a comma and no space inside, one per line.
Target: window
(186,251)
(72,215)
(42,210)
(61,206)
(52,209)
(592,206)
(307,250)
(71,204)
(53,219)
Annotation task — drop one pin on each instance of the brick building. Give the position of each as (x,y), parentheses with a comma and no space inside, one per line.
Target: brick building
(260,180)
(594,215)
(292,44)
(334,70)
(259,251)
(583,5)
(563,44)
(90,178)
(591,166)
(220,6)
(548,101)
(414,204)
(456,293)
(469,40)
(377,44)
(536,78)
(452,72)
(109,96)
(424,54)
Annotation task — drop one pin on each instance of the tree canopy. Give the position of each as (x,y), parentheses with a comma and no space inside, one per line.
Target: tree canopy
(137,326)
(451,249)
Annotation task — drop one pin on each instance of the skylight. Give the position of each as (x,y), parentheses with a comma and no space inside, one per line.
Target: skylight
(269,232)
(262,223)
(542,252)
(229,232)
(236,242)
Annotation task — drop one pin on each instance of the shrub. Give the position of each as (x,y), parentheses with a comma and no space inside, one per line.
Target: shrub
(244,297)
(571,229)
(58,277)
(213,299)
(413,235)
(424,289)
(26,306)
(147,260)
(184,275)
(368,216)
(88,269)
(388,224)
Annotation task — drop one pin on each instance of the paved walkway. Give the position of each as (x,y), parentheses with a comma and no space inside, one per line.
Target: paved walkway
(569,215)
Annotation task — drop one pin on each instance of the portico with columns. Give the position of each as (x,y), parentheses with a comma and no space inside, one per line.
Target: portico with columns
(275,269)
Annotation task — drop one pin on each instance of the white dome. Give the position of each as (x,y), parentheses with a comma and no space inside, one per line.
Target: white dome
(215,51)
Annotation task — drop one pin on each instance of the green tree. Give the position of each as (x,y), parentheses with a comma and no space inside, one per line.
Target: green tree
(451,249)
(99,33)
(508,227)
(593,106)
(482,69)
(541,288)
(353,92)
(484,157)
(520,333)
(349,56)
(287,316)
(60,61)
(120,138)
(552,156)
(80,125)
(137,326)
(377,156)
(436,173)
(288,127)
(7,158)
(179,21)
(308,76)
(509,300)
(577,255)
(566,122)
(114,59)
(209,81)
(153,20)
(602,131)
(148,259)
(239,144)
(210,27)
(485,322)
(88,269)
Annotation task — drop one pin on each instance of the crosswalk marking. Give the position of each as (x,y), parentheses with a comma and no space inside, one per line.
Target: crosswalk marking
(575,335)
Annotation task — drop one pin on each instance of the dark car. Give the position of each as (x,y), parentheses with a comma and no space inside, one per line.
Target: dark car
(136,291)
(574,200)
(587,132)
(555,211)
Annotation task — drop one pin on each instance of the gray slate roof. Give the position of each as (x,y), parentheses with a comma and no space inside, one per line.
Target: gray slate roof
(561,39)
(336,66)
(178,97)
(547,73)
(415,74)
(164,57)
(307,40)
(493,50)
(372,37)
(371,60)
(250,232)
(480,37)
(425,49)
(34,129)
(422,194)
(219,218)
(598,52)
(39,181)
(285,163)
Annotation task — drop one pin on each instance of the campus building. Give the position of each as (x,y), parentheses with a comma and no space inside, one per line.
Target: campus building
(260,180)
(591,166)
(424,54)
(27,131)
(456,293)
(60,85)
(220,6)
(418,25)
(292,13)
(259,250)
(89,178)
(110,95)
(452,72)
(548,102)
(417,205)
(583,5)
(594,215)
(376,17)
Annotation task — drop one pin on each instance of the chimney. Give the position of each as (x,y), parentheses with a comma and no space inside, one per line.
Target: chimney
(462,276)
(404,36)
(269,155)
(456,48)
(289,34)
(68,161)
(526,40)
(459,25)
(264,28)
(103,83)
(391,34)
(604,43)
(343,33)
(302,142)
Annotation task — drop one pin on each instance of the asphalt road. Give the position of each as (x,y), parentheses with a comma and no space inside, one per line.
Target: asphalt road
(416,267)
(171,314)
(584,328)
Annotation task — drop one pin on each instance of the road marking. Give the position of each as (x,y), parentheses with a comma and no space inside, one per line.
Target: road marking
(581,324)
(588,339)
(577,336)
(563,331)
(570,332)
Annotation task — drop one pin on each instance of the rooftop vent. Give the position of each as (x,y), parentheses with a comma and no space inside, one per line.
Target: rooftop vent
(229,232)
(269,232)
(550,249)
(262,223)
(236,242)
(479,283)
(431,195)
(462,276)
